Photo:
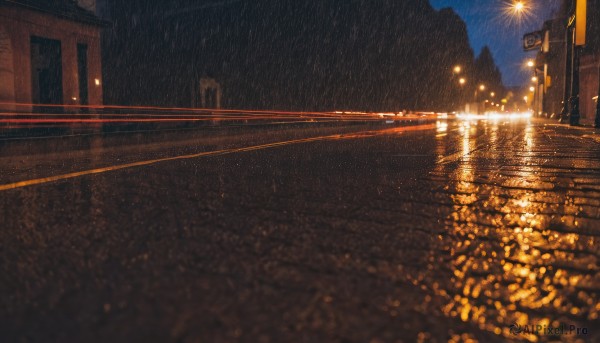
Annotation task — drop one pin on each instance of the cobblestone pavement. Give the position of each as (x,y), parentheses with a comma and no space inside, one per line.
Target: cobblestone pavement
(453,232)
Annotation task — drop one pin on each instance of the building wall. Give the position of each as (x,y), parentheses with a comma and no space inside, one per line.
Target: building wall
(555,60)
(7,72)
(588,87)
(21,24)
(590,62)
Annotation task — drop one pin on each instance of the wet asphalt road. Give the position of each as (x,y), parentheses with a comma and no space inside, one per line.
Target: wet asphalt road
(442,232)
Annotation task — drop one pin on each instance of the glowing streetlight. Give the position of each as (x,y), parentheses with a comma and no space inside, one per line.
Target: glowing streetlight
(532,89)
(526,98)
(492,94)
(457,69)
(518,6)
(517,11)
(462,81)
(481,87)
(534,79)
(530,63)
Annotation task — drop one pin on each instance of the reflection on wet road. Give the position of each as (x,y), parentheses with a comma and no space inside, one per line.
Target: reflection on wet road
(461,231)
(521,241)
(355,135)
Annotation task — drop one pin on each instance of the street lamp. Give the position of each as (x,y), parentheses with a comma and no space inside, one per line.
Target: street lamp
(564,113)
(479,88)
(516,9)
(519,6)
(534,79)
(530,63)
(461,82)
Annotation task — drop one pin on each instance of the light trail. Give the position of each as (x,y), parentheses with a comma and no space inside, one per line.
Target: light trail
(181,116)
(30,118)
(180,109)
(357,135)
(209,111)
(171,120)
(512,116)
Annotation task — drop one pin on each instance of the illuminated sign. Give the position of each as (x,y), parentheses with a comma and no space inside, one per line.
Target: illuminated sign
(580,22)
(532,41)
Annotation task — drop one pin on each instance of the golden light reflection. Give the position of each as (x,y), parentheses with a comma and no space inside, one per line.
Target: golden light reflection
(511,259)
(441,126)
(111,168)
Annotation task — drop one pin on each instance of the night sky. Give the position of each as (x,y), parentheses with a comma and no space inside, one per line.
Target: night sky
(489,25)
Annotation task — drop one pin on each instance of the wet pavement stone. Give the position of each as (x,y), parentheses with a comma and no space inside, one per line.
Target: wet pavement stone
(458,232)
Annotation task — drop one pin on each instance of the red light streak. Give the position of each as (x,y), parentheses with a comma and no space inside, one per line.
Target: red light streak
(178,114)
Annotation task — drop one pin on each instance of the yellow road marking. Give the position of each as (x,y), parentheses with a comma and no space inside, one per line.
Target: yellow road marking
(363,134)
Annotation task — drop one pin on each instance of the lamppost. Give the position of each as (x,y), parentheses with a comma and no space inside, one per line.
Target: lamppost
(456,72)
(564,113)
(479,88)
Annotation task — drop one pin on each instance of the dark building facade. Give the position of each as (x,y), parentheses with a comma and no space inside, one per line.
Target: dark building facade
(550,70)
(590,64)
(49,53)
(551,65)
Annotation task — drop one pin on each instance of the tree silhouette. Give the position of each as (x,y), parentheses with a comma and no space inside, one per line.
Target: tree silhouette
(487,73)
(288,54)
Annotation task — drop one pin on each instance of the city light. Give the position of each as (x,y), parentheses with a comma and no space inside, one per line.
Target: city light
(457,69)
(481,87)
(462,81)
(492,94)
(532,89)
(534,79)
(530,63)
(516,12)
(493,115)
(519,7)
